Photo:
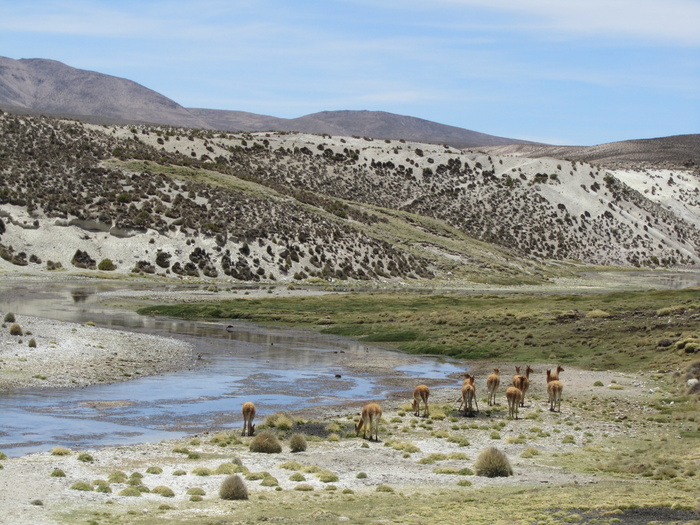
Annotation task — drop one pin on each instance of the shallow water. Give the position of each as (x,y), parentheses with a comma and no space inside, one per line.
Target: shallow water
(276,369)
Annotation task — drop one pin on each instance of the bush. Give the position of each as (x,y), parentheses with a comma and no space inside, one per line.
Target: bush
(82,485)
(233,488)
(164,491)
(117,477)
(196,491)
(85,457)
(16,329)
(9,318)
(493,463)
(32,343)
(266,442)
(60,451)
(297,443)
(154,470)
(106,265)
(304,487)
(131,492)
(179,473)
(58,473)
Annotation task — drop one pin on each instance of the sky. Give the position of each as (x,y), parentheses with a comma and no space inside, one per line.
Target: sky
(570,72)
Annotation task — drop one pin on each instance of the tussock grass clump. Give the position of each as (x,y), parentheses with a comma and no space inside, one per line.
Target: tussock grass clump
(280,420)
(196,491)
(529,453)
(326,476)
(3,455)
(32,343)
(361,475)
(292,465)
(131,492)
(202,471)
(297,476)
(117,477)
(437,456)
(82,485)
(179,472)
(265,442)
(58,473)
(154,470)
(164,491)
(297,443)
(454,471)
(597,314)
(85,457)
(304,487)
(384,488)
(9,318)
(492,463)
(230,468)
(409,448)
(233,488)
(60,451)
(269,481)
(16,329)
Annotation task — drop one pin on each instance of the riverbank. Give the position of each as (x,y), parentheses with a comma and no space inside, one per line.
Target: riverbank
(47,353)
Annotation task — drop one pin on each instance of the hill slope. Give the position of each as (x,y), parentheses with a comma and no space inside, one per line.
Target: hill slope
(289,206)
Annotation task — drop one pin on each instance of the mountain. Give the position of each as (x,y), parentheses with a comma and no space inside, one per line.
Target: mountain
(52,88)
(38,86)
(677,149)
(373,124)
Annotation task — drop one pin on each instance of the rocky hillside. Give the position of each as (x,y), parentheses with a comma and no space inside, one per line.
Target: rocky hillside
(290,207)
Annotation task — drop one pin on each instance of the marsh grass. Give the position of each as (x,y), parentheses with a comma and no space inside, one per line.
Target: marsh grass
(454,325)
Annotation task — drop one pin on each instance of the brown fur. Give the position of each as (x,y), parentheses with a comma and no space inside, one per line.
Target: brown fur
(492,382)
(514,395)
(248,410)
(554,390)
(421,394)
(369,420)
(522,381)
(468,395)
(554,376)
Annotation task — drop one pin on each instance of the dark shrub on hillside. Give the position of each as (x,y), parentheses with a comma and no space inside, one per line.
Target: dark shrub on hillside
(82,259)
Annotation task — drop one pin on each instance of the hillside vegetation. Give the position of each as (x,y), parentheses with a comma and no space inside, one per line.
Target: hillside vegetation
(292,207)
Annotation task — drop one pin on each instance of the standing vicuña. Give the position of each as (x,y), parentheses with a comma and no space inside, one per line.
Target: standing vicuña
(468,395)
(514,395)
(492,382)
(554,376)
(369,420)
(248,410)
(522,381)
(554,389)
(420,394)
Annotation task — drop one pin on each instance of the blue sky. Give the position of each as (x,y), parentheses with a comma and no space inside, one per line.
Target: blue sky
(579,72)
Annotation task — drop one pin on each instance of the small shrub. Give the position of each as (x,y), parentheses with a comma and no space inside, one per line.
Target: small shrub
(60,451)
(196,491)
(493,463)
(233,488)
(179,473)
(154,470)
(265,442)
(230,468)
(9,318)
(304,487)
(280,420)
(202,471)
(361,475)
(297,443)
(269,481)
(598,383)
(58,473)
(37,502)
(164,491)
(82,485)
(32,343)
(3,455)
(16,329)
(85,457)
(132,492)
(297,476)
(326,476)
(106,265)
(117,477)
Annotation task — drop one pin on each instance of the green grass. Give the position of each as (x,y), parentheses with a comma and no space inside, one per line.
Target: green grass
(522,327)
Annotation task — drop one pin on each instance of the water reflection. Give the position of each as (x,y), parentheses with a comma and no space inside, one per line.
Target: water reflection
(276,369)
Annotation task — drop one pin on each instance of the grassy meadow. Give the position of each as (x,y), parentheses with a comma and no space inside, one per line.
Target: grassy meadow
(630,331)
